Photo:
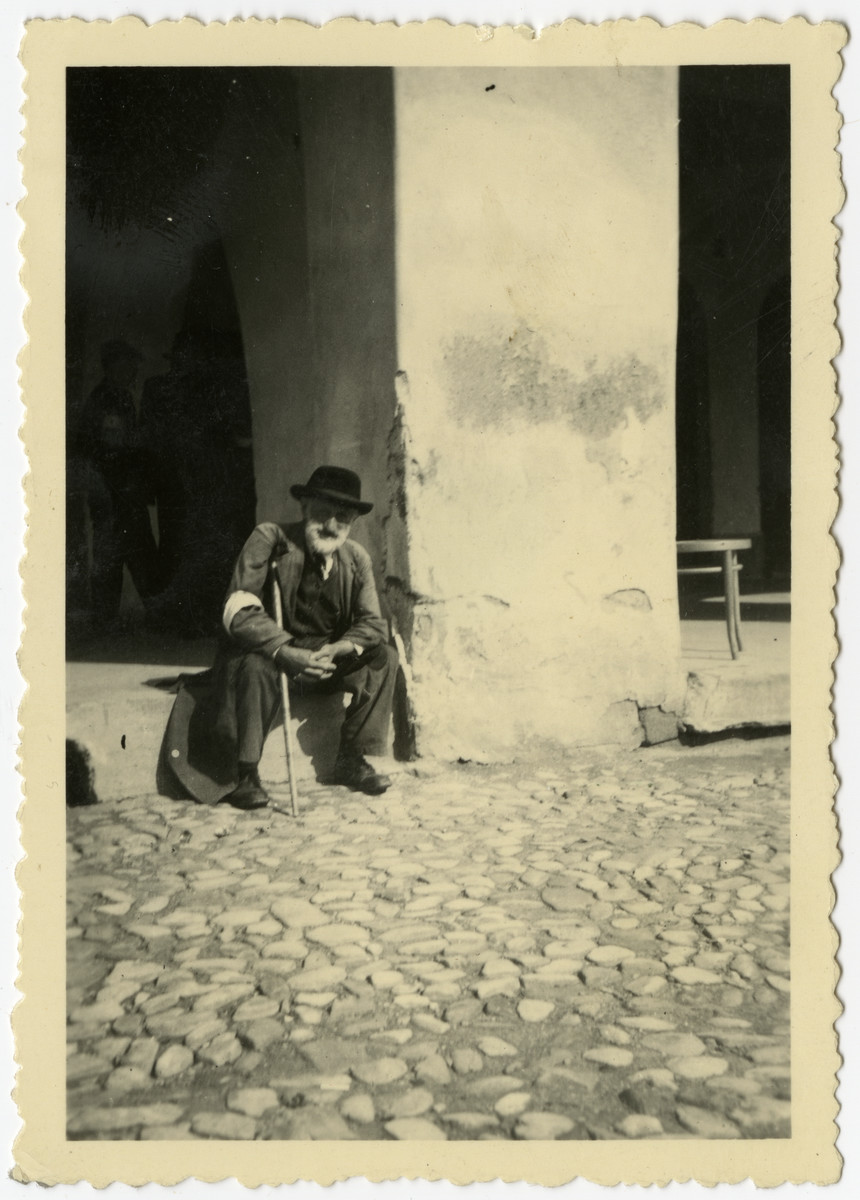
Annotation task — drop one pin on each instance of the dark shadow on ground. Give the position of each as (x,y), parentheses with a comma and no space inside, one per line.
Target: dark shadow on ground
(80,777)
(744,733)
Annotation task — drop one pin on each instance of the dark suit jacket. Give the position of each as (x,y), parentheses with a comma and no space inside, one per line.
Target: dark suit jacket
(253,628)
(199,748)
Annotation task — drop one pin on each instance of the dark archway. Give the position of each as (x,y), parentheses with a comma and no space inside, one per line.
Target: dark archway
(146,262)
(236,227)
(733,353)
(692,417)
(774,422)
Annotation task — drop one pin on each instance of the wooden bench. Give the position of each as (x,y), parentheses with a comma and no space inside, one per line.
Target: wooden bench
(730,567)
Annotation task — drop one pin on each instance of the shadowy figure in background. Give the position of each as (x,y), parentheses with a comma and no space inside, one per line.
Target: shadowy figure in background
(197,427)
(111,473)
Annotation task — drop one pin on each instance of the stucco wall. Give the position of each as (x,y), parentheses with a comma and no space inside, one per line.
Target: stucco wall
(537,277)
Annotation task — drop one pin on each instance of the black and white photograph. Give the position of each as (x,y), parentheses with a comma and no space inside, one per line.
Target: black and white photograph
(432,506)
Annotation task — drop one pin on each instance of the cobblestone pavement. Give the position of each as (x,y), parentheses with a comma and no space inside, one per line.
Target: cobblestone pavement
(596,950)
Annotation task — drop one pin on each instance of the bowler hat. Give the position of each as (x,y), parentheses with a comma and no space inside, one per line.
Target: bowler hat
(334,483)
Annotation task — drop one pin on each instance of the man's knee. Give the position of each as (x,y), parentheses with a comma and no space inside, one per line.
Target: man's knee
(382,657)
(257,668)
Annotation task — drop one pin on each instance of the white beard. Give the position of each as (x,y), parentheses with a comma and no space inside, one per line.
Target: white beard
(323,544)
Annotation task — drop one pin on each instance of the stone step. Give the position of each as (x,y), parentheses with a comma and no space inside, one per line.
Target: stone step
(716,701)
(116,717)
(724,693)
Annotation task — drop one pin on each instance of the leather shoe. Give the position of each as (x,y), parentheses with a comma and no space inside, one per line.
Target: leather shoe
(356,772)
(248,794)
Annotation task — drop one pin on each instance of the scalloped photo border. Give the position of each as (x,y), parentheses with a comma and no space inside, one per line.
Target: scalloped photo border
(42,1152)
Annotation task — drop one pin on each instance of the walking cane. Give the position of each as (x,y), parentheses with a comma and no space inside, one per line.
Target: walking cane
(285,698)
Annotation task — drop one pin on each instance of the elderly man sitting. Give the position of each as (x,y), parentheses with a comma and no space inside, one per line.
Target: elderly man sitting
(333,638)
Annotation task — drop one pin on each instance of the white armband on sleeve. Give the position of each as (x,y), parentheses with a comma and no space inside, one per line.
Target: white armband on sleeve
(236,601)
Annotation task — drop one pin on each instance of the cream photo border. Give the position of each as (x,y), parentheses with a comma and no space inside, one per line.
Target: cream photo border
(42,1153)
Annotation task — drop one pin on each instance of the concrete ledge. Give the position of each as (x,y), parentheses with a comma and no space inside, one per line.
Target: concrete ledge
(117,719)
(714,703)
(724,693)
(315,726)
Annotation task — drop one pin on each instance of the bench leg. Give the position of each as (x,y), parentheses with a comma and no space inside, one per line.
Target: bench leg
(730,584)
(737,595)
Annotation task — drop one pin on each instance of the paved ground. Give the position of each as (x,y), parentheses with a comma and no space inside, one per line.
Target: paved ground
(595,949)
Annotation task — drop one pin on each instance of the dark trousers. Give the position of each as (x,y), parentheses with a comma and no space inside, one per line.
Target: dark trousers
(369,679)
